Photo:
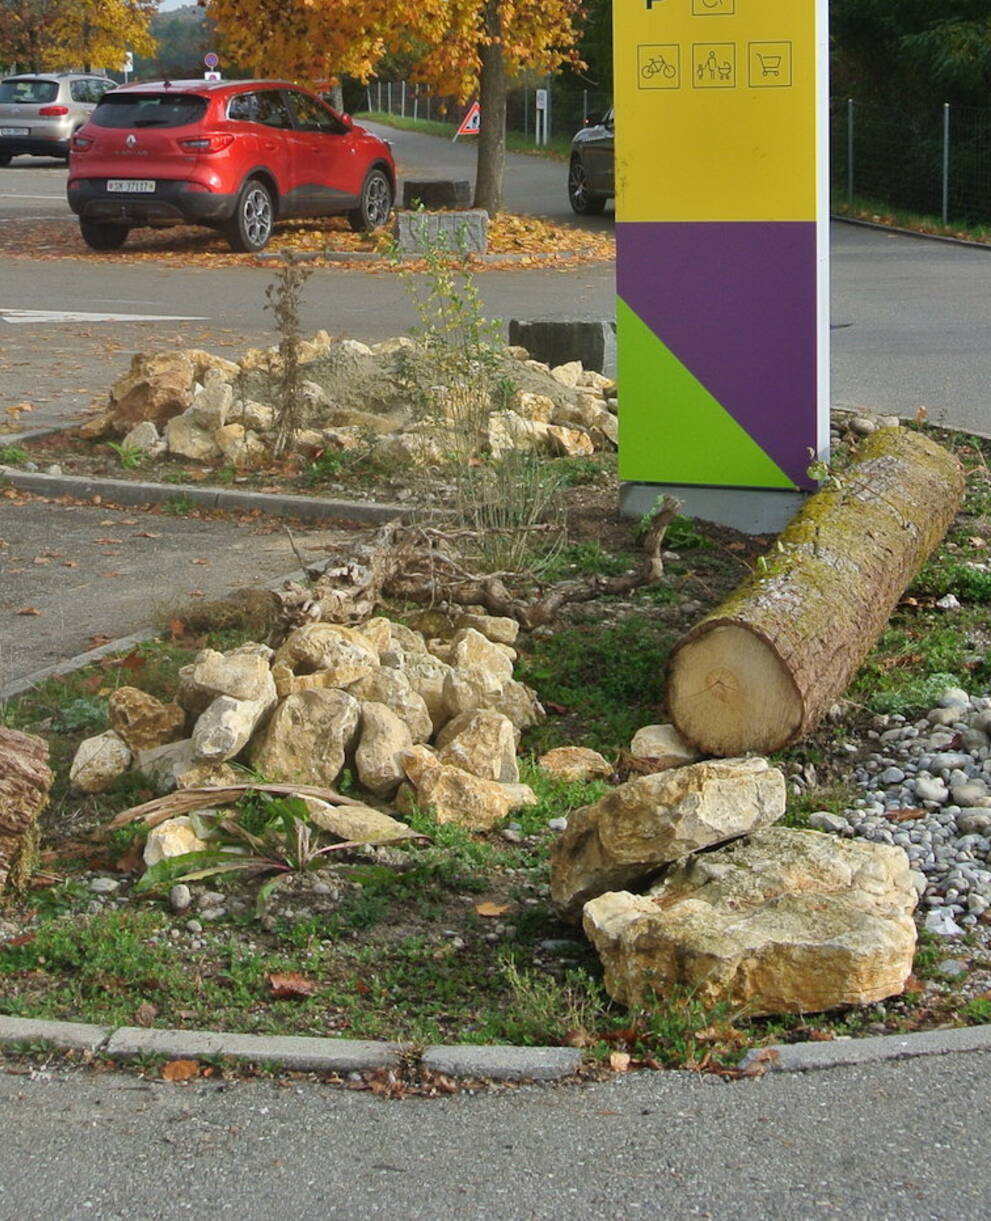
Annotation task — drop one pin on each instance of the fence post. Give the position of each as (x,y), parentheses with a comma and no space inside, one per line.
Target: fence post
(849,151)
(368,90)
(946,163)
(584,105)
(547,114)
(402,85)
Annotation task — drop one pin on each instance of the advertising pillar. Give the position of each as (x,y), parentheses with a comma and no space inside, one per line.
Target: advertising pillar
(722,242)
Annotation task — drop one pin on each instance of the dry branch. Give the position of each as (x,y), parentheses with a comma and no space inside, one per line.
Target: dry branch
(765,666)
(183,800)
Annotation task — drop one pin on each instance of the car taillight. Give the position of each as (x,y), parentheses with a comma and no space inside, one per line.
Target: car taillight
(53,111)
(81,143)
(206,144)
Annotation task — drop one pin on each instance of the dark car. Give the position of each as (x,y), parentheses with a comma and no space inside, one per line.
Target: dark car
(233,155)
(592,170)
(39,111)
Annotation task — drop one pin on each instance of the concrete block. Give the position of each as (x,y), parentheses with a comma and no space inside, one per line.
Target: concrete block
(304,1054)
(556,341)
(437,193)
(808,1057)
(75,1036)
(749,510)
(455,231)
(502,1063)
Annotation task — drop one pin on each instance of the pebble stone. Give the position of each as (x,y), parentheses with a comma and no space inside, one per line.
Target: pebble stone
(104,886)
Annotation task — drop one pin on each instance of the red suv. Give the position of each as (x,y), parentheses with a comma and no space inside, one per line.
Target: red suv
(233,155)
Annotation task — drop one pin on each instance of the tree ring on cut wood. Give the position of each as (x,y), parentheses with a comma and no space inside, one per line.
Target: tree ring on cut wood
(733,686)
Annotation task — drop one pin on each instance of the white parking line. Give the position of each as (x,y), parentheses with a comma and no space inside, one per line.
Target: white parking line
(32,196)
(10,220)
(45,315)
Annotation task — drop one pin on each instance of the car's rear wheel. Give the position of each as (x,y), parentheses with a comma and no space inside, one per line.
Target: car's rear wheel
(376,203)
(99,235)
(251,225)
(582,200)
(6,158)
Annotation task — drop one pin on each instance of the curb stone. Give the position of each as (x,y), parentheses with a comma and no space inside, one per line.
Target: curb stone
(294,1053)
(133,492)
(929,237)
(809,1057)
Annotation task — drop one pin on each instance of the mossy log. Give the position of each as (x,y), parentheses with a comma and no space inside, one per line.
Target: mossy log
(25,779)
(766,665)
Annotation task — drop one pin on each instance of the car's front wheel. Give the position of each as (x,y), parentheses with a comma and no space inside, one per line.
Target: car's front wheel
(251,226)
(582,200)
(376,203)
(99,235)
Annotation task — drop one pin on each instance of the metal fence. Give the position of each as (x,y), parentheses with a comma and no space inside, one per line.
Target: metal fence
(938,164)
(565,109)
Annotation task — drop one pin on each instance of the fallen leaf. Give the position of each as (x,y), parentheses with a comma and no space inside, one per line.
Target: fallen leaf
(146,1013)
(619,1061)
(110,574)
(104,542)
(490,910)
(146,534)
(28,610)
(70,563)
(180,1070)
(905,815)
(291,985)
(99,639)
(133,661)
(199,561)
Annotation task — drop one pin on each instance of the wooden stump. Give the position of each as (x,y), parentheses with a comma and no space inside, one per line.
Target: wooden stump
(765,666)
(25,779)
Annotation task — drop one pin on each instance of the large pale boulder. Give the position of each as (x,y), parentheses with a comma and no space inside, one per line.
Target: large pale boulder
(471,650)
(145,436)
(143,721)
(456,796)
(575,763)
(208,367)
(384,740)
(483,743)
(632,832)
(359,824)
(467,688)
(341,652)
(519,702)
(98,762)
(663,744)
(243,673)
(428,677)
(500,629)
(569,442)
(211,405)
(157,386)
(176,766)
(392,687)
(227,726)
(780,922)
(186,439)
(308,738)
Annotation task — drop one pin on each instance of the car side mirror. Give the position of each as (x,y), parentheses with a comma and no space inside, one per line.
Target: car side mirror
(592,120)
(347,121)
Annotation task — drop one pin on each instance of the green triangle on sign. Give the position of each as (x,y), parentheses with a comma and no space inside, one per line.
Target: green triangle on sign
(671,428)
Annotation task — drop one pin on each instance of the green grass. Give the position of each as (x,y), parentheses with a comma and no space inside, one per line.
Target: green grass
(864,208)
(13,455)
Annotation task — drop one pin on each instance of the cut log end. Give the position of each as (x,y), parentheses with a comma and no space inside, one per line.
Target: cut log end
(729,686)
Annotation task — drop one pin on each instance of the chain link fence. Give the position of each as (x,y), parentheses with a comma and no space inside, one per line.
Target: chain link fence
(938,164)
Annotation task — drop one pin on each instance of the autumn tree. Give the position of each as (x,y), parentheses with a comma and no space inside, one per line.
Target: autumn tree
(48,35)
(460,47)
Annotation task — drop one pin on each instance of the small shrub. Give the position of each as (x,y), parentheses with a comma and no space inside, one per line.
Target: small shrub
(12,455)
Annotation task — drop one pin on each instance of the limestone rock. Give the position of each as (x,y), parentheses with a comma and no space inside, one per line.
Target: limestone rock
(357,824)
(98,762)
(569,442)
(378,759)
(342,652)
(259,417)
(407,639)
(187,439)
(568,374)
(392,687)
(467,689)
(472,650)
(664,744)
(378,632)
(428,678)
(540,407)
(163,765)
(483,743)
(508,430)
(308,738)
(143,721)
(520,704)
(146,437)
(575,763)
(456,796)
(157,386)
(226,727)
(174,837)
(208,367)
(628,835)
(500,629)
(211,405)
(781,922)
(243,674)
(409,449)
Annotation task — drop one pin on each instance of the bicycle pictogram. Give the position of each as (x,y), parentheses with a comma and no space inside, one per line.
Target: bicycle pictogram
(658,66)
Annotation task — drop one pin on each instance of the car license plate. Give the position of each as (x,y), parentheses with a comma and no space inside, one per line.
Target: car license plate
(15,131)
(132,186)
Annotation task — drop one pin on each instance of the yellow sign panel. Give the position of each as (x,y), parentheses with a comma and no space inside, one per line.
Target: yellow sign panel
(718,103)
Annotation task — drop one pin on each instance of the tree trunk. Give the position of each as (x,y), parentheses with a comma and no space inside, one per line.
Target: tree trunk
(763,668)
(25,779)
(491,163)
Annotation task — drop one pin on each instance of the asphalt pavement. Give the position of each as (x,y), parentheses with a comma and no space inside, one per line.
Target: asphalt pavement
(901,1140)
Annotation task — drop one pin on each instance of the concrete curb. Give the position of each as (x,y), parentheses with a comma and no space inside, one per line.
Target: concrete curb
(928,237)
(510,258)
(809,1057)
(133,492)
(299,1054)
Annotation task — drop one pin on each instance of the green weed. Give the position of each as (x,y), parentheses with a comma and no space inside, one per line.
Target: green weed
(129,456)
(180,505)
(13,455)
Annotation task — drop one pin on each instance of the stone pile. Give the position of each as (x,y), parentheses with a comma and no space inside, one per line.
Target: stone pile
(197,406)
(428,722)
(927,790)
(727,906)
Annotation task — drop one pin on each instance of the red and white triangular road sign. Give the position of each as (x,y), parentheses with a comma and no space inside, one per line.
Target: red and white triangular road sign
(472,121)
